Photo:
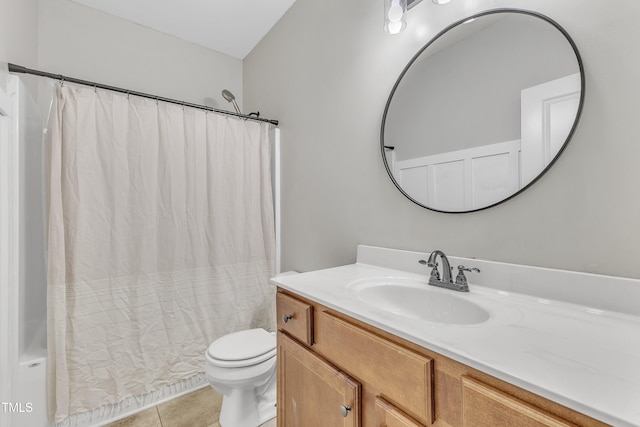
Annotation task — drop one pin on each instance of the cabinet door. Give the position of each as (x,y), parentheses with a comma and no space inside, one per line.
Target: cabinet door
(311,393)
(388,415)
(485,406)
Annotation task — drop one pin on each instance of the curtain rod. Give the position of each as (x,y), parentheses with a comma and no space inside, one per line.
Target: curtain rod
(24,70)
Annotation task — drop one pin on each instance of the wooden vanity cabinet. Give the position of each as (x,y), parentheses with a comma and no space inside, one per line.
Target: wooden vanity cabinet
(485,406)
(330,360)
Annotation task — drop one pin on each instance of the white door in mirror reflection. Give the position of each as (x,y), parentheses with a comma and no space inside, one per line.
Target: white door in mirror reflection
(462,180)
(548,112)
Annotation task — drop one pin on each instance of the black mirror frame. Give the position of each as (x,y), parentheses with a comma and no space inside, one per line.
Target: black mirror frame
(440,34)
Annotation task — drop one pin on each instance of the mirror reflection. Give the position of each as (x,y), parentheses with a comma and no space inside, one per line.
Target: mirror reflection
(482,111)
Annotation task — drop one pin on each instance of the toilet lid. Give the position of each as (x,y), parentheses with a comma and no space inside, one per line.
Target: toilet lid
(243,345)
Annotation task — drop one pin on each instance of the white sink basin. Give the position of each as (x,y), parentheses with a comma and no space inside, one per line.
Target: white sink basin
(417,300)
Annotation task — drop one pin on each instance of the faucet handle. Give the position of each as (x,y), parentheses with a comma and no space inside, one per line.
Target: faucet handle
(431,264)
(435,274)
(461,279)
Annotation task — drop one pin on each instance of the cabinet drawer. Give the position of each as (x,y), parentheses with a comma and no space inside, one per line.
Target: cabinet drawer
(403,377)
(295,317)
(483,405)
(388,415)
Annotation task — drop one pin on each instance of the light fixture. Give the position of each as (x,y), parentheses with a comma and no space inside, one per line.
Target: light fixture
(394,11)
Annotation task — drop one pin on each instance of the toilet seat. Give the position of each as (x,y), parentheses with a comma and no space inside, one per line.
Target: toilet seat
(243,348)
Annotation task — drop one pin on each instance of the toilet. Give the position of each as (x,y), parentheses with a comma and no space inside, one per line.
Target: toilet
(242,367)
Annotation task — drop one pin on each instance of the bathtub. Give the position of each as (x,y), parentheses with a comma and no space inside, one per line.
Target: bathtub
(31,392)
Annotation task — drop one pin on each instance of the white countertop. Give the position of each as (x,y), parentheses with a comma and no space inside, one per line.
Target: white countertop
(584,358)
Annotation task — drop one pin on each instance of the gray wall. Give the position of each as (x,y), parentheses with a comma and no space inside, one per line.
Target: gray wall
(82,42)
(19,36)
(326,70)
(63,37)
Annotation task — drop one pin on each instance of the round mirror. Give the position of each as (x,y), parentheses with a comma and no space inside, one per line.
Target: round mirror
(482,111)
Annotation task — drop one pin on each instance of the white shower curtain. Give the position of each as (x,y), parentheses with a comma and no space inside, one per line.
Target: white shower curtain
(160,239)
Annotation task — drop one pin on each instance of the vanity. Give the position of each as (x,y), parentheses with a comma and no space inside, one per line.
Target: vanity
(372,344)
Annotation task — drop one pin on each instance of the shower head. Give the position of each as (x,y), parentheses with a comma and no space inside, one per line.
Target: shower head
(229,97)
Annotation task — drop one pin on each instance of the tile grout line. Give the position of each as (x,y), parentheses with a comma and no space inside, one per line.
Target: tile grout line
(159,417)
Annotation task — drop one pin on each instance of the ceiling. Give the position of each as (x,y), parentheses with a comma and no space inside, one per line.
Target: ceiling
(232,27)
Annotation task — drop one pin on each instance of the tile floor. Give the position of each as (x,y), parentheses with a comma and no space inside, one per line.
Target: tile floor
(200,408)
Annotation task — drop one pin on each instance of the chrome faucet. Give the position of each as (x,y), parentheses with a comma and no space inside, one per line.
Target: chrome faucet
(447,282)
(435,274)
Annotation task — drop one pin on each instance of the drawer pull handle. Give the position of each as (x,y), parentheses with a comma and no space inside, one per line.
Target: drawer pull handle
(344,410)
(286,318)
